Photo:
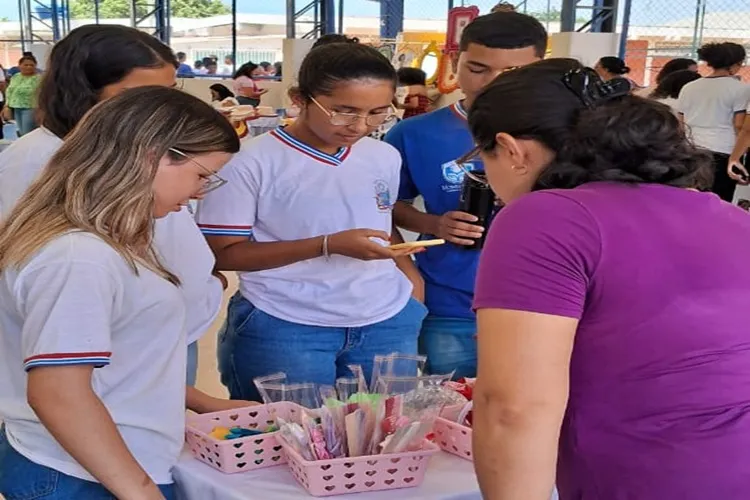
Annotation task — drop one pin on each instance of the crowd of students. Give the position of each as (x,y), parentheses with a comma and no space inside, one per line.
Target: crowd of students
(602,332)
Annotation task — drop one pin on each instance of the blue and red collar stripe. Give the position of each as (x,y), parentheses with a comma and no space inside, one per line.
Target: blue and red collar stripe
(332,160)
(459,109)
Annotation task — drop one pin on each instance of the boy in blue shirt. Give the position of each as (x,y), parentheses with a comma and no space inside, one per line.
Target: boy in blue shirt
(429,145)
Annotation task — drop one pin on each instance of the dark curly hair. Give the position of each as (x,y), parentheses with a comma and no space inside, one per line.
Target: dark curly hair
(671,85)
(722,55)
(614,65)
(624,139)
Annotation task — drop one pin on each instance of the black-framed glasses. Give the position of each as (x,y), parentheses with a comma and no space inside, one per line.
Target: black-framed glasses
(468,158)
(213,181)
(344,119)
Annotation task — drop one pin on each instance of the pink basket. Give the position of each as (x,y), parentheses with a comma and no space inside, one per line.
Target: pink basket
(238,455)
(453,438)
(340,476)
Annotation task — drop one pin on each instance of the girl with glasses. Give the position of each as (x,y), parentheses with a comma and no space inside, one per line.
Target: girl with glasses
(92,336)
(306,219)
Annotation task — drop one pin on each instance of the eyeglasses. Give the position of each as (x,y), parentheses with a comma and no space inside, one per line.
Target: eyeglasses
(212,179)
(343,119)
(468,158)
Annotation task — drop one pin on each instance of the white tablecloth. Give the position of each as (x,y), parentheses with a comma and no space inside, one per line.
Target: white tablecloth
(448,478)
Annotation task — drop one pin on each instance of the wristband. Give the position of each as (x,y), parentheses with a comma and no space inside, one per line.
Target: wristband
(326,254)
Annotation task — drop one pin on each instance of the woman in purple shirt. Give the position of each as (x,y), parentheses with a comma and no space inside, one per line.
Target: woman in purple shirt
(613,300)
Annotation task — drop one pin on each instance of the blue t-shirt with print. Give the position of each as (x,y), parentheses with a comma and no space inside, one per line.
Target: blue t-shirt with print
(429,145)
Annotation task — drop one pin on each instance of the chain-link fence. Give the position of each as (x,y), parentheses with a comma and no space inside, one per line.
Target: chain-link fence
(659,31)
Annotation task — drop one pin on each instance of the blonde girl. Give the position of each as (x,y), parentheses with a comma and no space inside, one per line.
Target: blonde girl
(92,338)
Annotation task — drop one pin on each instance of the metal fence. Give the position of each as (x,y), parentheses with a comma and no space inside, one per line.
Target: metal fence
(659,31)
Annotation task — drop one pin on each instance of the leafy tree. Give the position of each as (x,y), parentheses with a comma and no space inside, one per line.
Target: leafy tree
(109,9)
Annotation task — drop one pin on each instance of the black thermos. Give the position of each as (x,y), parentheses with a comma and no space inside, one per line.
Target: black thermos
(478,199)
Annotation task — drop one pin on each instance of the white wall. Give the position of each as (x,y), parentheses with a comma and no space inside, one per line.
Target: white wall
(586,47)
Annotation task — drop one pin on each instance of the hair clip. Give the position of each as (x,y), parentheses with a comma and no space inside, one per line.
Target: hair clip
(586,84)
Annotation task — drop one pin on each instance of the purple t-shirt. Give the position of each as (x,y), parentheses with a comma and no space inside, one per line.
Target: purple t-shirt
(659,278)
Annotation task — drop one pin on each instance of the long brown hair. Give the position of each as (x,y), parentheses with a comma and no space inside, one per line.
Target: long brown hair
(100,180)
(87,60)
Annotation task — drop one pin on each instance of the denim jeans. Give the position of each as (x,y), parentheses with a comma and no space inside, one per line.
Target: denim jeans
(25,122)
(22,479)
(192,363)
(449,344)
(253,344)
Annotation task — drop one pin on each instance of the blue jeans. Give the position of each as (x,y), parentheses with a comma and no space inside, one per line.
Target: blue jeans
(22,479)
(449,344)
(192,363)
(25,122)
(253,344)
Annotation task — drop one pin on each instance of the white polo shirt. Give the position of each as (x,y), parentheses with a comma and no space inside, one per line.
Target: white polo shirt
(78,302)
(281,189)
(178,241)
(709,106)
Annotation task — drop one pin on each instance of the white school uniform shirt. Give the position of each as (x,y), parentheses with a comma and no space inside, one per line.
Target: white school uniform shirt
(177,240)
(280,189)
(709,106)
(76,302)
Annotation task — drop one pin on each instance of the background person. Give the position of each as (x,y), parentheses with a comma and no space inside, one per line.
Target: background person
(183,70)
(305,220)
(588,354)
(668,90)
(220,93)
(228,66)
(429,145)
(199,68)
(672,66)
(713,109)
(245,88)
(93,338)
(416,101)
(21,96)
(611,67)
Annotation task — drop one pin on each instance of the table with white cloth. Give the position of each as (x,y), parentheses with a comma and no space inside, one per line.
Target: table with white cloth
(448,478)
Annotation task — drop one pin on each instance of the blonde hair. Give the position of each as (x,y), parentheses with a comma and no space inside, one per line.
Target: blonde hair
(100,180)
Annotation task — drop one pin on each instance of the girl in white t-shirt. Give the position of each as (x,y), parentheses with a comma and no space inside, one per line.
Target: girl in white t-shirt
(92,337)
(305,219)
(713,109)
(245,89)
(82,71)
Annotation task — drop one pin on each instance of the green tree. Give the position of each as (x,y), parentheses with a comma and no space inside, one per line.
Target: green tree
(110,9)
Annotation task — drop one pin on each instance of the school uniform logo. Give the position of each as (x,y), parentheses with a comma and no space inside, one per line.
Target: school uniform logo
(453,175)
(383,196)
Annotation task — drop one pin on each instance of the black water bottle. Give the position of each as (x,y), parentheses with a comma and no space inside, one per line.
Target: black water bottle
(478,199)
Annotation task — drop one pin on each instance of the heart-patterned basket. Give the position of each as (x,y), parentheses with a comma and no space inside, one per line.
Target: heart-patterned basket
(340,476)
(453,438)
(243,454)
